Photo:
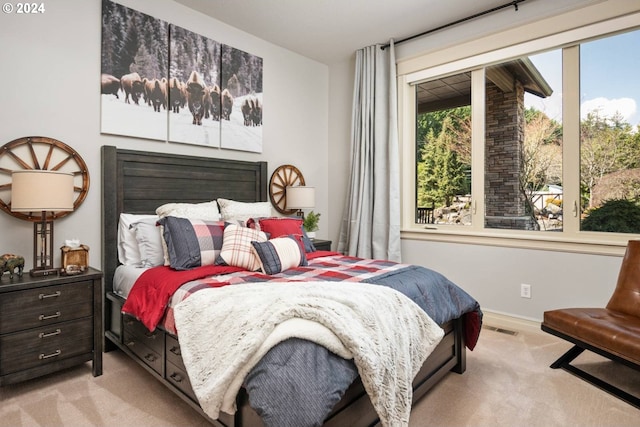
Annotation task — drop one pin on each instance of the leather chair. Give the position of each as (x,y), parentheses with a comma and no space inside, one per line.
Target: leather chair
(612,332)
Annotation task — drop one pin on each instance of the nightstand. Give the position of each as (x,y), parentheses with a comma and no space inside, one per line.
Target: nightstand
(49,323)
(321,245)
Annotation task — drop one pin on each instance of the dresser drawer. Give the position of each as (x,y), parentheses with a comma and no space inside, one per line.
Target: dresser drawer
(179,378)
(173,352)
(154,340)
(148,355)
(38,346)
(33,308)
(148,346)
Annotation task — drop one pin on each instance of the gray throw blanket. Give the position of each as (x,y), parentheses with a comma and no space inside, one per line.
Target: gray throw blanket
(224,333)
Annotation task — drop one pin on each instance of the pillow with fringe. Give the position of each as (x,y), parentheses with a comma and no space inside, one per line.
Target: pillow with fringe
(233,211)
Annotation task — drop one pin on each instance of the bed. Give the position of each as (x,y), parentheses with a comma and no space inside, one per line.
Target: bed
(138,182)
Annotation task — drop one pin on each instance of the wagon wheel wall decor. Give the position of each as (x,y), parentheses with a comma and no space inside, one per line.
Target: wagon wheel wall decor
(41,153)
(283,176)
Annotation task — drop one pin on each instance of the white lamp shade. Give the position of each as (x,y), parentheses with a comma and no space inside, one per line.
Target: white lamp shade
(41,190)
(300,197)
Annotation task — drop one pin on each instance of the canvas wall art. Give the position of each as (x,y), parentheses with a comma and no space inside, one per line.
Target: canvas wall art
(161,81)
(133,81)
(194,88)
(241,99)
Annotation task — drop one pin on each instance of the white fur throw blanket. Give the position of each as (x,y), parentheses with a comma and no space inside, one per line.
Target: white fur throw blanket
(224,332)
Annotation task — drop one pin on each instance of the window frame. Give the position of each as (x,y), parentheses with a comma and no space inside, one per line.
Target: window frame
(413,71)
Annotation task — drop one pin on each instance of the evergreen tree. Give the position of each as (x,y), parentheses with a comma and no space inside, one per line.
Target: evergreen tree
(441,176)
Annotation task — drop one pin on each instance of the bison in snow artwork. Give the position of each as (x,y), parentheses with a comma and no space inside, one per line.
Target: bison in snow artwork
(163,82)
(140,106)
(196,90)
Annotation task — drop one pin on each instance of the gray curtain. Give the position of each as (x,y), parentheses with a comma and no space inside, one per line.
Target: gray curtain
(371,221)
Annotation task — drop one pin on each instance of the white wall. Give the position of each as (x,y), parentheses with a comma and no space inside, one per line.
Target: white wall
(491,274)
(50,69)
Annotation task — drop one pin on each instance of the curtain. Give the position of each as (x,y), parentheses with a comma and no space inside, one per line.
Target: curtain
(370,225)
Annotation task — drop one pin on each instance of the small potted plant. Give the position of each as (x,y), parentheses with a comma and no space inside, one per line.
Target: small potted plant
(310,224)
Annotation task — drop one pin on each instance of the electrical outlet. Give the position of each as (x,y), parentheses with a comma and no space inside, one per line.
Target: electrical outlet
(525,290)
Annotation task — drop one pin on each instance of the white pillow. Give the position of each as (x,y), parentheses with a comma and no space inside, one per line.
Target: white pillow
(128,252)
(232,210)
(207,211)
(149,242)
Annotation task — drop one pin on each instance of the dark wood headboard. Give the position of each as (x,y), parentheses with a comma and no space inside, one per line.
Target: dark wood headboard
(138,182)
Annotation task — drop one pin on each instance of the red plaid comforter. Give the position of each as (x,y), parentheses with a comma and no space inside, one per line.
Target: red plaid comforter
(152,300)
(159,289)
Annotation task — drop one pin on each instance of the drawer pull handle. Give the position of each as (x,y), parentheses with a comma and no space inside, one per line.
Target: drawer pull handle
(150,335)
(175,350)
(53,295)
(46,356)
(52,316)
(131,343)
(50,334)
(176,377)
(151,357)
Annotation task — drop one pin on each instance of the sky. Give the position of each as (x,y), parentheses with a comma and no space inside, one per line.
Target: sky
(609,81)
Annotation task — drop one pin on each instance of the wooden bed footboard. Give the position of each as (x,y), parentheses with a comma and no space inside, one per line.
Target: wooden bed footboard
(159,353)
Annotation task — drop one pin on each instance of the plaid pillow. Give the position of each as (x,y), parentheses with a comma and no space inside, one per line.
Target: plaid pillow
(236,247)
(192,242)
(279,254)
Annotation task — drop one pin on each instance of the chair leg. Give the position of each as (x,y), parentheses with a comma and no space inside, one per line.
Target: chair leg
(564,362)
(568,357)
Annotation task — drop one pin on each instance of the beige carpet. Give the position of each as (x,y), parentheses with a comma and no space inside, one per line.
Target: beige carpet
(507,383)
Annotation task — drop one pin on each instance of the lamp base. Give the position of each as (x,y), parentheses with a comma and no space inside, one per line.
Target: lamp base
(44,272)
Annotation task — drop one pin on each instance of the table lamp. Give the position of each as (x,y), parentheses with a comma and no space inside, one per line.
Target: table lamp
(42,191)
(300,197)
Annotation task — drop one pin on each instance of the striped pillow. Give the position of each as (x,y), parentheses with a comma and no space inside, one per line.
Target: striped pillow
(279,254)
(192,242)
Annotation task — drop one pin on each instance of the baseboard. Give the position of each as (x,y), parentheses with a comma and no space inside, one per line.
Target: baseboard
(509,322)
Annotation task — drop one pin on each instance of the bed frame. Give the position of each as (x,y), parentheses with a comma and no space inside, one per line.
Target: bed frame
(138,182)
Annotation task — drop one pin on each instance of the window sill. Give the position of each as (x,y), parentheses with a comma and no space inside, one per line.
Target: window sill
(510,239)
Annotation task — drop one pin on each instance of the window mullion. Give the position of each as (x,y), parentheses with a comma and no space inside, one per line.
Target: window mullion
(571,140)
(477,148)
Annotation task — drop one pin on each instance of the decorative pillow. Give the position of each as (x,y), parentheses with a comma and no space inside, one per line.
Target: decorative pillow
(192,242)
(279,254)
(128,252)
(207,211)
(280,226)
(241,211)
(149,241)
(236,247)
(285,226)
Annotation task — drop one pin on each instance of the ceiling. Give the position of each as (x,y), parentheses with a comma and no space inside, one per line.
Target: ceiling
(330,31)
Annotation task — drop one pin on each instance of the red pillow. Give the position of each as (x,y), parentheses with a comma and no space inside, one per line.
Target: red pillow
(277,227)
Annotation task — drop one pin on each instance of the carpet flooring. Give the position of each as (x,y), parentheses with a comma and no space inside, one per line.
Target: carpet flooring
(508,382)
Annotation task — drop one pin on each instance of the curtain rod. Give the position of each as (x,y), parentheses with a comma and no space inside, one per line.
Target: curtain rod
(468,18)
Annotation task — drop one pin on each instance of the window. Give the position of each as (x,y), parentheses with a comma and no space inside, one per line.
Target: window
(523,143)
(528,145)
(609,137)
(443,150)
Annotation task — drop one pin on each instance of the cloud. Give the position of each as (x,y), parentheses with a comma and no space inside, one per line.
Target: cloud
(551,105)
(607,108)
